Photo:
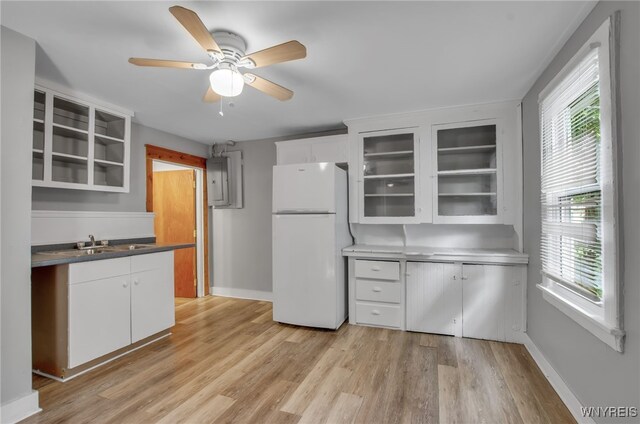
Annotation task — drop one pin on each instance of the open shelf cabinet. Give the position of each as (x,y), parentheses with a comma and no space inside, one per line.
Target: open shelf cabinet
(78,144)
(467,183)
(388,175)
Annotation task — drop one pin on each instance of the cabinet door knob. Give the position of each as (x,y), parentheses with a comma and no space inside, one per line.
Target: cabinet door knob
(125,284)
(375,312)
(136,281)
(455,278)
(377,289)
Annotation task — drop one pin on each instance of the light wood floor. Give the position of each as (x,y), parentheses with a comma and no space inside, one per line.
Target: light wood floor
(228,362)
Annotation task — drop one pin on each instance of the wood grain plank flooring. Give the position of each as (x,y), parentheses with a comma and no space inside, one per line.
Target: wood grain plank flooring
(228,362)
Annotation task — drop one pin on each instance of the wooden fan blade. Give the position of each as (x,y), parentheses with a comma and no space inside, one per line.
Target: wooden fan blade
(192,23)
(270,88)
(164,63)
(284,52)
(211,96)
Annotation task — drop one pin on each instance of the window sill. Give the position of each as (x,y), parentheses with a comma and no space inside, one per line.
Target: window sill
(612,336)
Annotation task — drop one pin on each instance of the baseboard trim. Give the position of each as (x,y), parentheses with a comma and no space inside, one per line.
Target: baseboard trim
(242,293)
(21,408)
(567,396)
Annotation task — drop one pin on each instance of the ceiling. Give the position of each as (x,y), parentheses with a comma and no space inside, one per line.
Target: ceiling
(363,58)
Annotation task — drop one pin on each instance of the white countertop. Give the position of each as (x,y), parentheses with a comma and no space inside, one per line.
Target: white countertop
(437,254)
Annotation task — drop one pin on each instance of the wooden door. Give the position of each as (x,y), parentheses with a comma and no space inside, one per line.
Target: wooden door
(174,204)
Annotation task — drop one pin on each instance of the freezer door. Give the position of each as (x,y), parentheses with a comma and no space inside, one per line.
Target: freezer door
(304,270)
(304,188)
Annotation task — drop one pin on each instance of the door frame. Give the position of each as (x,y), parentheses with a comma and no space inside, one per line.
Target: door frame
(172,156)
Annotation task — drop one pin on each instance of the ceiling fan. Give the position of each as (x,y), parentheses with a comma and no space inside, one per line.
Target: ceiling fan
(227,53)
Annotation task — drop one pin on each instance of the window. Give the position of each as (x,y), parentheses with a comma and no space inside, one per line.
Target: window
(578,244)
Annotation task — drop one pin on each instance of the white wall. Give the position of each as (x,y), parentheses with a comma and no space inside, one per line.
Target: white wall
(18,71)
(597,375)
(242,237)
(135,200)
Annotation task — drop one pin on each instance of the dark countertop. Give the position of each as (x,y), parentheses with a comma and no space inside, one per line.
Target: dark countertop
(46,257)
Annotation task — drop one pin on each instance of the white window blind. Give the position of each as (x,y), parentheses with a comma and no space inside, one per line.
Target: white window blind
(572,175)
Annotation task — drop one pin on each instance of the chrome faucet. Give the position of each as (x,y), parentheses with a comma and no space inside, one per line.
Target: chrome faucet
(93,240)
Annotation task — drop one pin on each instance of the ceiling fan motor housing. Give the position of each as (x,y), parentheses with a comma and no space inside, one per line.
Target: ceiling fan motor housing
(232,45)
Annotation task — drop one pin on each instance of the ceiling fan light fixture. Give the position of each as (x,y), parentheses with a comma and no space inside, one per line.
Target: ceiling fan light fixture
(226,81)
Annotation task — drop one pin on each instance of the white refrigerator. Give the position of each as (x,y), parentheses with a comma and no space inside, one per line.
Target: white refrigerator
(310,229)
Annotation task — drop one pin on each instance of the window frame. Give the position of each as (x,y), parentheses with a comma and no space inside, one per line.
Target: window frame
(604,318)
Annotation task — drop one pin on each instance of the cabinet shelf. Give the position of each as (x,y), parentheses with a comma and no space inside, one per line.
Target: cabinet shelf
(38,152)
(465,194)
(68,128)
(107,162)
(389,155)
(106,138)
(39,121)
(387,176)
(390,195)
(467,149)
(63,157)
(482,171)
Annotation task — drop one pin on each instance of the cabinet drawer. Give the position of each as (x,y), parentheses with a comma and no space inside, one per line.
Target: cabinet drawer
(378,314)
(378,270)
(378,291)
(151,261)
(99,269)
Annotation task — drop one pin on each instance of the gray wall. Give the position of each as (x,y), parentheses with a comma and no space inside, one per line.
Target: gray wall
(242,237)
(18,72)
(135,200)
(598,375)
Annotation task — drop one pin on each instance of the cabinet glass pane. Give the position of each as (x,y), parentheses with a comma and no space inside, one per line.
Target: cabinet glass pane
(108,175)
(484,135)
(109,125)
(475,205)
(70,142)
(389,206)
(467,171)
(38,135)
(389,175)
(389,186)
(38,105)
(68,170)
(37,168)
(70,114)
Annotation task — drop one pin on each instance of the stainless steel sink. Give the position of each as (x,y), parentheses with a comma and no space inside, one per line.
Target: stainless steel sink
(122,247)
(83,252)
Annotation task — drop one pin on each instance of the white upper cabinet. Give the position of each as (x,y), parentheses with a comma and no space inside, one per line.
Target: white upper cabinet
(388,176)
(464,167)
(467,183)
(79,144)
(313,150)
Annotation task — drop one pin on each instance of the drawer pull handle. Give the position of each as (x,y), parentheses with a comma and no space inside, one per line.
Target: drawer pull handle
(377,289)
(464,277)
(375,312)
(375,268)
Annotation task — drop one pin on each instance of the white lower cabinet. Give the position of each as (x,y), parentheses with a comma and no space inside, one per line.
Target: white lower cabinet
(493,302)
(83,312)
(477,301)
(434,298)
(99,318)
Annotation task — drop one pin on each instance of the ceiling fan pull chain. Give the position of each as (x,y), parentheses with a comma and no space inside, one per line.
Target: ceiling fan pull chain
(221,113)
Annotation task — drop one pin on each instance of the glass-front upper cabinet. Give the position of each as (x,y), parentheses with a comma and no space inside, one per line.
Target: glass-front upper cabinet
(78,145)
(389,176)
(467,181)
